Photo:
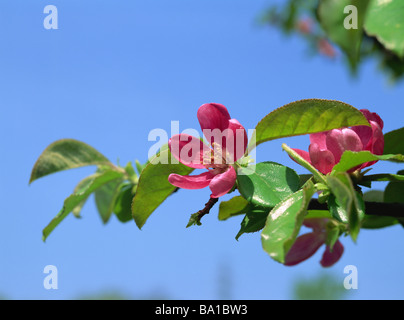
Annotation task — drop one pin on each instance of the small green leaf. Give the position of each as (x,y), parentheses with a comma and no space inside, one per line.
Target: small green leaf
(394,142)
(105,197)
(351,159)
(333,234)
(123,202)
(306,116)
(284,222)
(83,184)
(66,154)
(337,211)
(349,201)
(153,187)
(98,180)
(235,206)
(194,220)
(267,183)
(253,221)
(385,22)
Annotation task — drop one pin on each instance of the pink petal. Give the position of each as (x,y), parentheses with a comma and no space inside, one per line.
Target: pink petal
(213,116)
(223,182)
(365,134)
(188,150)
(304,247)
(376,144)
(322,160)
(236,141)
(373,116)
(377,139)
(320,139)
(340,140)
(330,258)
(191,182)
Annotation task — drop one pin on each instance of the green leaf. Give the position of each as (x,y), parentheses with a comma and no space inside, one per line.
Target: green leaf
(306,116)
(311,214)
(376,222)
(66,154)
(394,191)
(394,142)
(267,183)
(153,187)
(253,221)
(81,185)
(351,159)
(337,211)
(284,222)
(97,180)
(333,234)
(105,197)
(349,200)
(332,17)
(385,22)
(233,207)
(123,202)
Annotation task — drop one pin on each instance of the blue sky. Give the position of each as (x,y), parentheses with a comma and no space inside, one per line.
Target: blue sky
(113,71)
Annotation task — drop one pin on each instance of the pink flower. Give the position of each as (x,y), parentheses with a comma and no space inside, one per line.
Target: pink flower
(228,139)
(326,148)
(307,245)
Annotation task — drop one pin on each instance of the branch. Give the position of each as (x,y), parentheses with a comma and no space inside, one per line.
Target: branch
(395,210)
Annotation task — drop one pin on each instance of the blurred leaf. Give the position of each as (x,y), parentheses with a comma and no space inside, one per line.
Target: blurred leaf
(123,202)
(307,116)
(385,22)
(394,142)
(351,159)
(253,221)
(374,196)
(321,287)
(233,207)
(284,222)
(66,154)
(130,171)
(267,183)
(153,187)
(105,197)
(332,17)
(97,180)
(139,166)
